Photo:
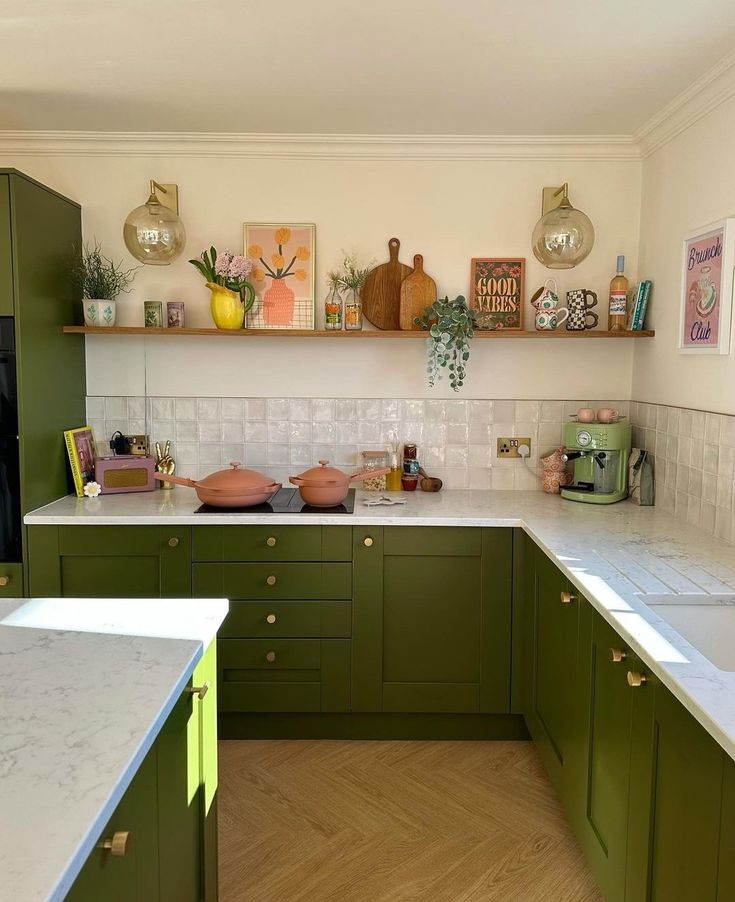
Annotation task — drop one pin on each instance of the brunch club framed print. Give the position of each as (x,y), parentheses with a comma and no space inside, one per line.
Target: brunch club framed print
(707,285)
(496,292)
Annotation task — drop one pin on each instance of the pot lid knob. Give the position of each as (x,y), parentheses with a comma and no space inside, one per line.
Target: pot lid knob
(323,463)
(235,464)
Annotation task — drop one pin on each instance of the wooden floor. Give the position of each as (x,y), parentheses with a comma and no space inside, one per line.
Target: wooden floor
(393,821)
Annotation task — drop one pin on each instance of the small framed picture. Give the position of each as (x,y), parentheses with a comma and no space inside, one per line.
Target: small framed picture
(706,289)
(497,292)
(283,274)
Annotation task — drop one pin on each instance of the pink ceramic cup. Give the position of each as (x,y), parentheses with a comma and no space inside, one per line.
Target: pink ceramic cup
(586,415)
(607,415)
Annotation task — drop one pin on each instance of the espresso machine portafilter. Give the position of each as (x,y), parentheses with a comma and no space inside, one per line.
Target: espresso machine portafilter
(599,452)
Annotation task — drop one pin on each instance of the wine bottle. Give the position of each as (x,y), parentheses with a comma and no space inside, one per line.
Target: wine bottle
(618,310)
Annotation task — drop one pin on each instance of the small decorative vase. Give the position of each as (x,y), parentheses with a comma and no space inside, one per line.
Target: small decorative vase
(278,304)
(228,310)
(99,313)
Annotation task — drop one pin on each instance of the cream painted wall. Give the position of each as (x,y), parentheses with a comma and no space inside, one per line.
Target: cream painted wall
(449,210)
(687,183)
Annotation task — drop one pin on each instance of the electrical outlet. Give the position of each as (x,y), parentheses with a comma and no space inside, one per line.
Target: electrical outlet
(508,447)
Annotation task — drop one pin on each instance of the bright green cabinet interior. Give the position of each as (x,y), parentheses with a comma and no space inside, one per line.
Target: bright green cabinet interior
(169,812)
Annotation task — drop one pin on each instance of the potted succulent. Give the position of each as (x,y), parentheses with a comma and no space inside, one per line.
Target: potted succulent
(100,281)
(227,278)
(451,326)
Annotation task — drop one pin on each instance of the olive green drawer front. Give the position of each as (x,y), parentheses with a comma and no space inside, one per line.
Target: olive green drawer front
(432,540)
(276,581)
(282,675)
(272,543)
(11,580)
(287,619)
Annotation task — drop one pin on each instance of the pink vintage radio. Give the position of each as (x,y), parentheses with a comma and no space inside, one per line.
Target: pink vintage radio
(125,473)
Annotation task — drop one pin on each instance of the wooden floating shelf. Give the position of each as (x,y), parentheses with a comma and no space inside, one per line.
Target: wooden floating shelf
(365,333)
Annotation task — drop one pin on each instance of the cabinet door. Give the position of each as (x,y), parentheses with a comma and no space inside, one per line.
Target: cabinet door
(6,250)
(431,620)
(599,781)
(675,802)
(130,873)
(110,561)
(726,876)
(553,668)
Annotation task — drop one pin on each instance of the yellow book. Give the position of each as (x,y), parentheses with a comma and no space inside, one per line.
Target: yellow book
(81,453)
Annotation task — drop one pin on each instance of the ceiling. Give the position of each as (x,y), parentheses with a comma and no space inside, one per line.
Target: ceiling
(433,67)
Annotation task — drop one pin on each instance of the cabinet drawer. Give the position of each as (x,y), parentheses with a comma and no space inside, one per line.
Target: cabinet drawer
(272,543)
(433,540)
(13,573)
(277,580)
(287,619)
(268,654)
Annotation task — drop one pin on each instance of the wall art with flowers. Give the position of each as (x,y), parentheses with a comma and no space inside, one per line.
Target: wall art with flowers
(282,274)
(497,292)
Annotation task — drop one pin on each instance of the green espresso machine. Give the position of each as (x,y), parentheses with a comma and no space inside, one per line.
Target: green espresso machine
(600,453)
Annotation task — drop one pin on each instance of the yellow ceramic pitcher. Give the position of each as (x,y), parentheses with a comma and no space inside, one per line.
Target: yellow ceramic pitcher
(228,308)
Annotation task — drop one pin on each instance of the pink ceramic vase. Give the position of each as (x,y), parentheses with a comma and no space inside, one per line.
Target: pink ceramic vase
(278,304)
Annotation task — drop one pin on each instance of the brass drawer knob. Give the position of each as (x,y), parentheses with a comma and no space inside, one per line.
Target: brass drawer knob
(636,679)
(271,541)
(367,542)
(173,542)
(271,580)
(270,657)
(199,691)
(567,597)
(271,618)
(617,655)
(117,844)
(4,580)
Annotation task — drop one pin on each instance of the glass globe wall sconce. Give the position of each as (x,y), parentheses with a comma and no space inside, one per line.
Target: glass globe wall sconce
(153,232)
(563,237)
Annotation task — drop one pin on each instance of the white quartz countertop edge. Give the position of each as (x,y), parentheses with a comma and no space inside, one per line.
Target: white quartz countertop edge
(615,555)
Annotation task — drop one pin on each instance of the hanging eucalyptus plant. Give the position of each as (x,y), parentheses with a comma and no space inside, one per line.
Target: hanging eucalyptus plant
(451,326)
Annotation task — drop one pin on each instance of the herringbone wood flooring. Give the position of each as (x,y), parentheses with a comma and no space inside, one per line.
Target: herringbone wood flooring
(323,821)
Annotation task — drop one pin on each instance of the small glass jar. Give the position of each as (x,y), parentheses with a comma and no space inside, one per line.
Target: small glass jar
(374,460)
(409,483)
(333,310)
(410,451)
(353,312)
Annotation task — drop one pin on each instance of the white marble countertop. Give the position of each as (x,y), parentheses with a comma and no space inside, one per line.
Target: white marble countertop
(85,687)
(615,554)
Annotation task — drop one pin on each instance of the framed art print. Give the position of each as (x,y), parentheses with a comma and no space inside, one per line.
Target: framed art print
(706,292)
(496,292)
(282,275)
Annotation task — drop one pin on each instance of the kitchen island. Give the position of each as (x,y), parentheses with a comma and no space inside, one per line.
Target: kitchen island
(86,686)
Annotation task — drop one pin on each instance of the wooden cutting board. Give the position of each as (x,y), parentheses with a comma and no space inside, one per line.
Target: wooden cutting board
(381,295)
(418,291)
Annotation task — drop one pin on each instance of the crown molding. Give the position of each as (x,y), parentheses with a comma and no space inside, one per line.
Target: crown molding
(319,147)
(701,97)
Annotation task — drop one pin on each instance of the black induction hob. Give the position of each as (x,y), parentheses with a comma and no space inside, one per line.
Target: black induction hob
(285,501)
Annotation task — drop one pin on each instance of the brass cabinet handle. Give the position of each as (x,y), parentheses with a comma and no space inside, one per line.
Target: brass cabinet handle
(271,580)
(173,542)
(270,657)
(636,679)
(117,844)
(567,597)
(271,618)
(200,691)
(4,580)
(367,542)
(617,655)
(271,541)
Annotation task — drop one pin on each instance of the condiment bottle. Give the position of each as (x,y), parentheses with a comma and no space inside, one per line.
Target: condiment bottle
(353,312)
(393,479)
(618,299)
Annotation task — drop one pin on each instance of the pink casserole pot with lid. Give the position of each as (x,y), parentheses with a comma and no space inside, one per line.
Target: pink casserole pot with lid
(233,487)
(326,486)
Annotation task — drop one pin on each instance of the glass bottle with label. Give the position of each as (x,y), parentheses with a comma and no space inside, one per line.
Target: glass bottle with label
(353,311)
(333,309)
(618,311)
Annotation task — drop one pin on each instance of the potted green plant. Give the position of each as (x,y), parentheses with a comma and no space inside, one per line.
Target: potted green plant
(451,326)
(99,282)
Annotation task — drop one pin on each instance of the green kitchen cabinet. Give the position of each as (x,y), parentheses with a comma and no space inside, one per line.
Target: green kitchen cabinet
(553,624)
(431,620)
(6,249)
(726,872)
(110,561)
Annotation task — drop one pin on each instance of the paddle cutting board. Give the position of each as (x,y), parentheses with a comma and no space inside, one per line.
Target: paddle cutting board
(418,291)
(381,295)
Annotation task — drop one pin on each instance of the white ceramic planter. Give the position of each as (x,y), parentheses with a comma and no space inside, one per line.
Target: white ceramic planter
(99,313)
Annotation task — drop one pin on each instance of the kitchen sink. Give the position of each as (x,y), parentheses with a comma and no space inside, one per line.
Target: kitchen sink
(706,621)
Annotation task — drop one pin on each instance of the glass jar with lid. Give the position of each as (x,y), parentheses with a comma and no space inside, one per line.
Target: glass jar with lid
(374,460)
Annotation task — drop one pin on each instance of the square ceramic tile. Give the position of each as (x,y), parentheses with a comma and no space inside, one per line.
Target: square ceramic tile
(432,456)
(712,428)
(709,488)
(209,431)
(457,433)
(322,410)
(455,411)
(186,453)
(412,432)
(455,478)
(662,418)
(185,409)
(209,408)
(685,450)
(99,431)
(232,453)
(502,478)
(726,462)
(277,454)
(727,431)
(136,408)
(368,431)
(346,411)
(390,432)
(187,431)
(276,409)
(525,479)
(232,409)
(324,433)
(480,411)
(682,479)
(162,408)
(233,431)
(256,431)
(723,524)
(527,411)
(390,410)
(278,432)
(413,411)
(322,452)
(697,456)
(255,455)
(300,455)
(724,492)
(209,454)
(699,418)
(345,455)
(255,409)
(435,411)
(672,447)
(346,433)
(685,422)
(708,517)
(551,412)
(481,478)
(368,409)
(480,433)
(137,427)
(674,416)
(299,409)
(456,455)
(694,511)
(301,432)
(480,456)
(163,430)
(549,435)
(710,456)
(695,482)
(116,408)
(504,411)
(435,433)
(96,408)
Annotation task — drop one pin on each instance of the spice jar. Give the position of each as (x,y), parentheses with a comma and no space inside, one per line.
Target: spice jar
(410,451)
(409,483)
(374,460)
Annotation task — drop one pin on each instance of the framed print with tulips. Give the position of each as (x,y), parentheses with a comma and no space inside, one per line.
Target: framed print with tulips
(282,274)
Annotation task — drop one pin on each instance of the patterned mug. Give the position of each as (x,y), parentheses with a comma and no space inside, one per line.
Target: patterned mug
(548,320)
(580,314)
